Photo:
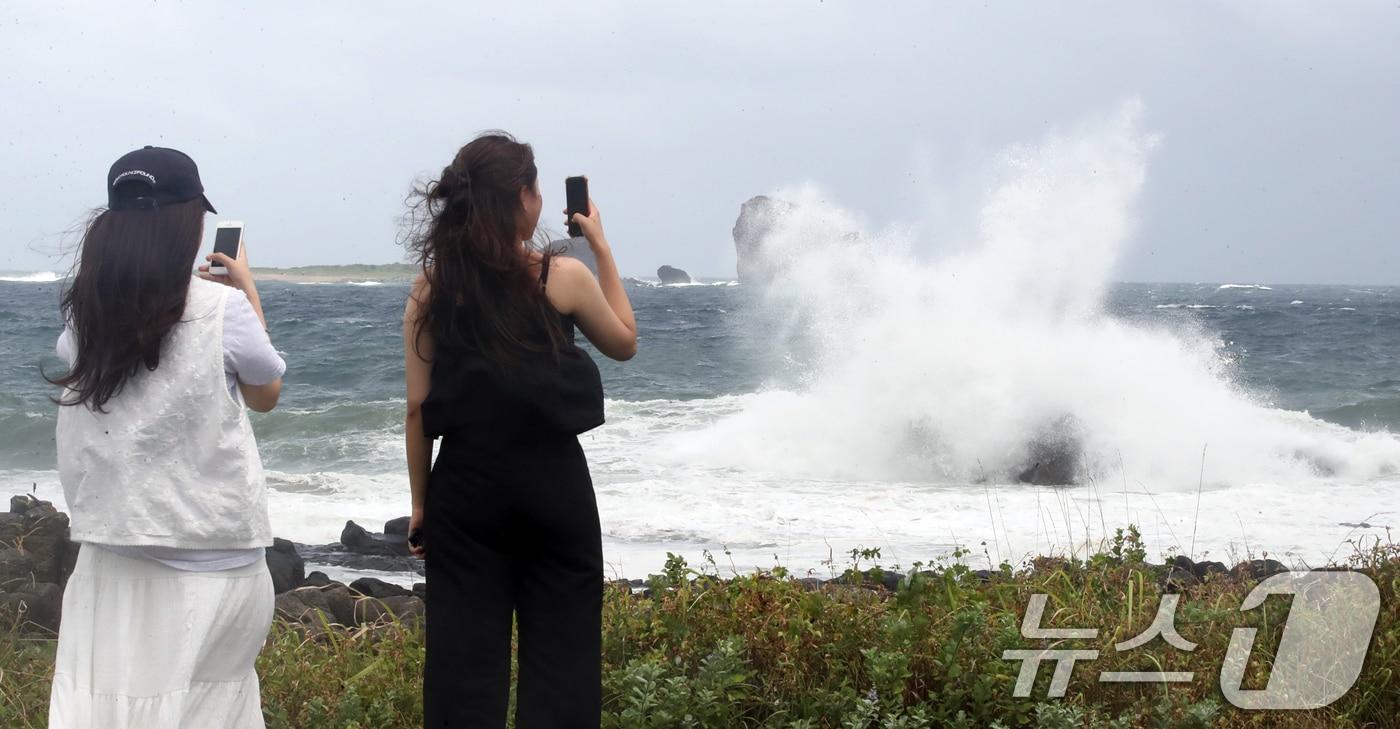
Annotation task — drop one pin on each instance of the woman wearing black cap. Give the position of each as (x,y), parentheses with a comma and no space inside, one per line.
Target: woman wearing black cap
(170,599)
(509,523)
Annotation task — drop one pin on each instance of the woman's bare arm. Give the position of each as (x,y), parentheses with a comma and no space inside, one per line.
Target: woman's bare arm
(261,398)
(600,306)
(418,367)
(582,297)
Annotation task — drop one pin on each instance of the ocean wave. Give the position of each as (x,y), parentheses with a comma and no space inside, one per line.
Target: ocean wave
(659,285)
(701,283)
(339,283)
(37,277)
(1375,414)
(1261,287)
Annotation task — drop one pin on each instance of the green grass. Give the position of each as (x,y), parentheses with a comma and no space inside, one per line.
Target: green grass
(765,650)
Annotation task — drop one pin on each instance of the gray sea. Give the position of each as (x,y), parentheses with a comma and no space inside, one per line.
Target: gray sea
(770,428)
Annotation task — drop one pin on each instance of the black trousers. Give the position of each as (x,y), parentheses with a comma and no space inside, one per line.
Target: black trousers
(513,529)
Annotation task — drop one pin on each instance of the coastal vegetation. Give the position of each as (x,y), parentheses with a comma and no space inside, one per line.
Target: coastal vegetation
(870,645)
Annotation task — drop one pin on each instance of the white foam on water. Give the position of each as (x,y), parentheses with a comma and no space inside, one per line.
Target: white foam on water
(651,503)
(36,277)
(1260,287)
(309,508)
(932,378)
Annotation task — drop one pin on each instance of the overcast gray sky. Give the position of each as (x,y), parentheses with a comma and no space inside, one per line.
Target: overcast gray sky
(1279,163)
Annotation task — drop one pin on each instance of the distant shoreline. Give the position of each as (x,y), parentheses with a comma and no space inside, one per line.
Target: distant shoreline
(386,273)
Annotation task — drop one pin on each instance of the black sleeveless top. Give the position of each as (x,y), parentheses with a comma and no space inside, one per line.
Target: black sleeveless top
(472,400)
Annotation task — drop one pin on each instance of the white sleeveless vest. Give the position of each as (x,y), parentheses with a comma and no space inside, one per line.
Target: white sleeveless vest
(172,462)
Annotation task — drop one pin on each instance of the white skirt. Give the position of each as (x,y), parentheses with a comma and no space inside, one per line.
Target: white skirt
(145,646)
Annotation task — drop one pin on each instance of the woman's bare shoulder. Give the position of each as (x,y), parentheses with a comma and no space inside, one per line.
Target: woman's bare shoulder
(417,293)
(566,282)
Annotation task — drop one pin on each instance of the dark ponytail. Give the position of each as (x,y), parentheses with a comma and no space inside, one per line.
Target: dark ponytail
(464,233)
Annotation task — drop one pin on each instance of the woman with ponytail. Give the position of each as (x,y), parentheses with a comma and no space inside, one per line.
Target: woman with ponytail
(506,517)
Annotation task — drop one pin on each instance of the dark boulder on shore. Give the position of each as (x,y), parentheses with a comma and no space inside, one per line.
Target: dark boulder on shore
(36,557)
(287,568)
(361,549)
(34,542)
(1258,569)
(397,526)
(375,587)
(338,555)
(671,275)
(359,540)
(1201,570)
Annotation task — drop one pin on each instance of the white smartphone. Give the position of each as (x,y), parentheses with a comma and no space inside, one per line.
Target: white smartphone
(228,240)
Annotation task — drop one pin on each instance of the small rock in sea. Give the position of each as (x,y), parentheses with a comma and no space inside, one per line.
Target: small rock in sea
(672,275)
(1054,454)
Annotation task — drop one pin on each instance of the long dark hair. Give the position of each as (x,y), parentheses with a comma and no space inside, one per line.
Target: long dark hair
(128,289)
(464,234)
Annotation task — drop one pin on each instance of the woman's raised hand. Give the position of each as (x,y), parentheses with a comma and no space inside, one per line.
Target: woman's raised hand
(239,275)
(592,225)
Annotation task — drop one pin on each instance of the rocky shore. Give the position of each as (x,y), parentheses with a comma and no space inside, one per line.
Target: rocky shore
(37,556)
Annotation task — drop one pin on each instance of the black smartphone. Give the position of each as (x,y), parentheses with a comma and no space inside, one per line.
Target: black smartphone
(576,195)
(416,537)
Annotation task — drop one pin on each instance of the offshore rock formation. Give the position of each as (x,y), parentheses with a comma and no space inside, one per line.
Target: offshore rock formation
(1053,457)
(672,275)
(757,216)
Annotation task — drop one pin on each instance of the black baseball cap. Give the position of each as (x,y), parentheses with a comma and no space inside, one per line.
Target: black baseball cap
(153,176)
